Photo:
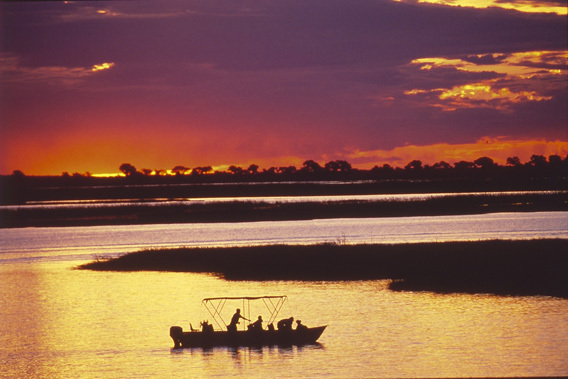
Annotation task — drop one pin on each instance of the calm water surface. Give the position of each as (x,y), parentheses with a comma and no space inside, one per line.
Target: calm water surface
(54,243)
(54,204)
(60,322)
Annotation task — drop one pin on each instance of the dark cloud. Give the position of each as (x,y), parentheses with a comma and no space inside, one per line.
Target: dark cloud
(333,72)
(548,64)
(290,34)
(447,76)
(485,59)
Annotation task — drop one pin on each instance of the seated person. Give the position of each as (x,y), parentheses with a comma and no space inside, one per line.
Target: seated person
(300,326)
(257,325)
(206,326)
(285,324)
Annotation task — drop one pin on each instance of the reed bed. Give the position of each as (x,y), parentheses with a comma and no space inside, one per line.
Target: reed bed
(504,267)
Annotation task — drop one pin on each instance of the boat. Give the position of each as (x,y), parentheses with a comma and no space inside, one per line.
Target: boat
(247,335)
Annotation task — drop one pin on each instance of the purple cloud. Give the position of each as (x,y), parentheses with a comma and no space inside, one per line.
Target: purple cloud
(332,73)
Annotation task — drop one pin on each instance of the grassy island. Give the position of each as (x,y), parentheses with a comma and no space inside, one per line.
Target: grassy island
(532,267)
(139,212)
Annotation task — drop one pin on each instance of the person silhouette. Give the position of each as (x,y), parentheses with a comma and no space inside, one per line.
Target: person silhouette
(257,325)
(300,327)
(235,320)
(285,324)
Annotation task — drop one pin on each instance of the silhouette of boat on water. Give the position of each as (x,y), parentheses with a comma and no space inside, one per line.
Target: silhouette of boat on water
(228,335)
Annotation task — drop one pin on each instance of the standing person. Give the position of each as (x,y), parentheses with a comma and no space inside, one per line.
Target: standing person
(232,327)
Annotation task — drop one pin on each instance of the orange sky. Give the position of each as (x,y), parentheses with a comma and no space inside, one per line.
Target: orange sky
(74,157)
(87,86)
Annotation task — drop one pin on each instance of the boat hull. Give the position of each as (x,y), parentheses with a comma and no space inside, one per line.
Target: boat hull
(245,338)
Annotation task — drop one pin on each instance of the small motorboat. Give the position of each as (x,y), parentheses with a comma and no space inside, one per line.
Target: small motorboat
(226,335)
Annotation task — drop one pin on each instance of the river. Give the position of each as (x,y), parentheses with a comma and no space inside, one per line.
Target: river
(61,322)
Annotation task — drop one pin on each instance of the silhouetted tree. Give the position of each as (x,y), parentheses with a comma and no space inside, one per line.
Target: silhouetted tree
(386,170)
(127,169)
(180,170)
(18,174)
(311,166)
(201,170)
(555,160)
(338,166)
(252,169)
(287,170)
(537,160)
(332,166)
(146,171)
(464,165)
(441,165)
(344,166)
(414,165)
(235,170)
(513,161)
(484,162)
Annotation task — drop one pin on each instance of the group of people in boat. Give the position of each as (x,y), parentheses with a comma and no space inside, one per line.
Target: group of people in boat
(284,324)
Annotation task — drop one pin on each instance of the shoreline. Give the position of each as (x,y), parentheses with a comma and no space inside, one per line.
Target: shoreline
(248,211)
(502,267)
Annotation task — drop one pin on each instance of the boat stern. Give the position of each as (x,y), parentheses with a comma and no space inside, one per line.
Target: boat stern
(176,332)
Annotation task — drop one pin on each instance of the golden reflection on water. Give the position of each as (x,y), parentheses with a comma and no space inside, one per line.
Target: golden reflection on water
(22,309)
(59,322)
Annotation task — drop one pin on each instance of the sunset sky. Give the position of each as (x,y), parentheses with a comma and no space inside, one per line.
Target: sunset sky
(86,86)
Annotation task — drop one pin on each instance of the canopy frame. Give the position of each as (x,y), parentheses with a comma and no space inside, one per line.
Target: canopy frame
(215,305)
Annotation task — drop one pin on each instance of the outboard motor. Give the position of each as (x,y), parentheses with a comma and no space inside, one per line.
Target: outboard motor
(176,332)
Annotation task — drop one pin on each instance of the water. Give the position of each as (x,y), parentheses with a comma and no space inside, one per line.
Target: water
(60,322)
(53,243)
(118,203)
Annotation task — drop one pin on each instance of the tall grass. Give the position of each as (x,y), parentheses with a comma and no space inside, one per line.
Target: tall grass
(532,267)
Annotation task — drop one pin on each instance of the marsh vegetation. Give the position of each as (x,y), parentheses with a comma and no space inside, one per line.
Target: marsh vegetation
(533,267)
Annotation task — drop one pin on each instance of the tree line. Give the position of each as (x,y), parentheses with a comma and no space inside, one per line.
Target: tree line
(309,166)
(482,174)
(537,165)
(554,164)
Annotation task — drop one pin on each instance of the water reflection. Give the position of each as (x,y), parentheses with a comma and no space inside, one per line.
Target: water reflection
(243,357)
(117,203)
(59,322)
(24,322)
(75,243)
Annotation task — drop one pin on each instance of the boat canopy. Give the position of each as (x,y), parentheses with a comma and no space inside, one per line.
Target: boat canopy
(244,298)
(215,305)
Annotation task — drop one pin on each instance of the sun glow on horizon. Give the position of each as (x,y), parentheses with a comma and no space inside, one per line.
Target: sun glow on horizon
(108,175)
(497,148)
